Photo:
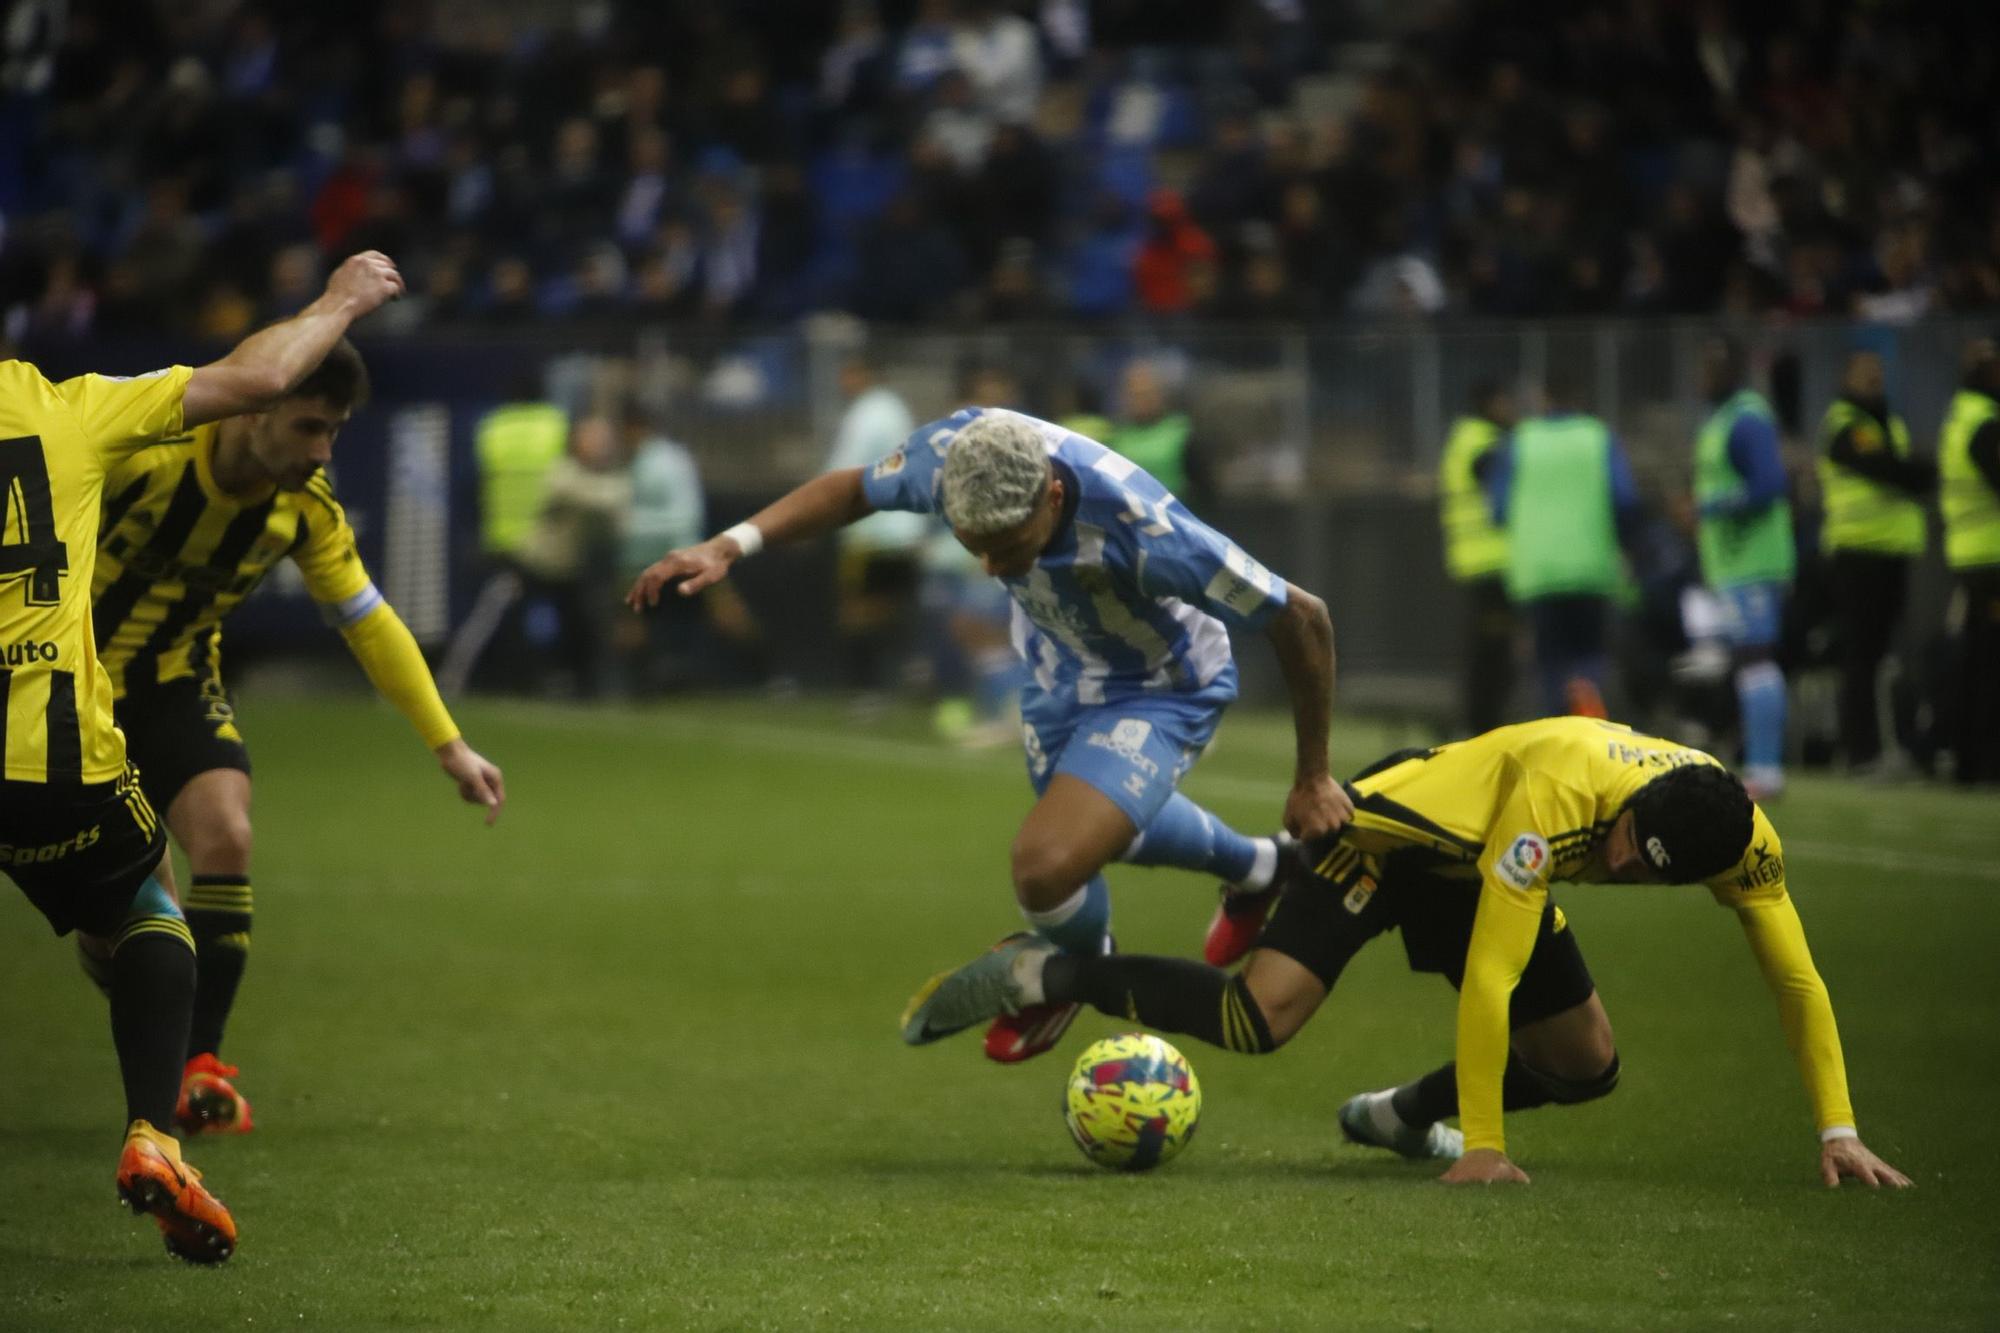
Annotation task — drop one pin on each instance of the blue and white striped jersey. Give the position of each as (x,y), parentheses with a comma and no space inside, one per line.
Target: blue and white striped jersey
(1133,593)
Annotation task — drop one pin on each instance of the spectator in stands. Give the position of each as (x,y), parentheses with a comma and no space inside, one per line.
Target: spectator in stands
(1166,272)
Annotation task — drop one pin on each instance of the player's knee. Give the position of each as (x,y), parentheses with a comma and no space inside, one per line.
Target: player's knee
(1045,874)
(1566,1090)
(222,846)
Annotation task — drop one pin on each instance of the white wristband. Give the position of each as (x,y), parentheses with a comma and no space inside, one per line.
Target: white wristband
(1832,1132)
(747,538)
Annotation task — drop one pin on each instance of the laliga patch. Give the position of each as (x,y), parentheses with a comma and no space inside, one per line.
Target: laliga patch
(1525,861)
(889,465)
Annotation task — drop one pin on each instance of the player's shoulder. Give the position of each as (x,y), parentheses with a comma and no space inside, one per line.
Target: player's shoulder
(1759,876)
(317,502)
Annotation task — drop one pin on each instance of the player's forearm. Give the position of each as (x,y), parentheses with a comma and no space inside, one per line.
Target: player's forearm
(1503,938)
(1481,1055)
(1805,1010)
(1302,636)
(830,500)
(388,653)
(265,366)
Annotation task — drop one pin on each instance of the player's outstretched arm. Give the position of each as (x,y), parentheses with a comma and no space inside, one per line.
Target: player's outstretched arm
(478,778)
(263,367)
(831,500)
(1302,635)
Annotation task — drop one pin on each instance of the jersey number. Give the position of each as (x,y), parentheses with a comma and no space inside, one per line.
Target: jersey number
(25,511)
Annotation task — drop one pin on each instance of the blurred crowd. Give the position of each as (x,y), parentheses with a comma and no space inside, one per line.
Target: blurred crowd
(194,167)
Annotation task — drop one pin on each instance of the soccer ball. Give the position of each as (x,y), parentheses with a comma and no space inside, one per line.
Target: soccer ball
(1132,1102)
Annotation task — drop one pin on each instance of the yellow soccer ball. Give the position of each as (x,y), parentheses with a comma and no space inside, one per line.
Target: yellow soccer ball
(1132,1102)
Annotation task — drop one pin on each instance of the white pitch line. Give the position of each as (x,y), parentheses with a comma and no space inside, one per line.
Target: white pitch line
(847,745)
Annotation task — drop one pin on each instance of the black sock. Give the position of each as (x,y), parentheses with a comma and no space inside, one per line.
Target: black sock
(152,993)
(1171,994)
(1435,1095)
(218,912)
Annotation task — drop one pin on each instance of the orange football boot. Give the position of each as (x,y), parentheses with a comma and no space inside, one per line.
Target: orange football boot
(152,1178)
(210,1103)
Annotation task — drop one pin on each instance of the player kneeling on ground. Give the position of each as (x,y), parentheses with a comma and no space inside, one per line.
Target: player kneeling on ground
(190,529)
(1121,597)
(1457,847)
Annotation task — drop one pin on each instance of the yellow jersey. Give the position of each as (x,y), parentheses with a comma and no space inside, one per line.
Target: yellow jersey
(1523,806)
(177,554)
(57,443)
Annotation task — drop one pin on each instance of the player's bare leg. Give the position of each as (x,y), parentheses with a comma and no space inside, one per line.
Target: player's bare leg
(210,819)
(1070,835)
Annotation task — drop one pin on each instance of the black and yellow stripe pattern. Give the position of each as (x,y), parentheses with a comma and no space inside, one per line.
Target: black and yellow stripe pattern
(1243,1028)
(176,555)
(156,924)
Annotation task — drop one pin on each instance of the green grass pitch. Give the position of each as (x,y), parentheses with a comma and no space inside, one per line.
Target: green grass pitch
(629,1059)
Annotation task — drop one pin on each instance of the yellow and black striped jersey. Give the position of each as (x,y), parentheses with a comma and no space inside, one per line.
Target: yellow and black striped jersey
(177,554)
(57,443)
(1562,781)
(1520,807)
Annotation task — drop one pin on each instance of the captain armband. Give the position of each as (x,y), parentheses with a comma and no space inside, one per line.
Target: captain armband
(351,610)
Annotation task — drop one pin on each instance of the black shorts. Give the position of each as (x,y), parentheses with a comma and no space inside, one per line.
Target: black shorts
(1322,923)
(176,730)
(80,853)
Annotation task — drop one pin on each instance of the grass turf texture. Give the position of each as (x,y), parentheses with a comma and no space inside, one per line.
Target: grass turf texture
(630,1058)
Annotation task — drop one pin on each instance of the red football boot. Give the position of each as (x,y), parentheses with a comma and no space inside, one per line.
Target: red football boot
(210,1103)
(1020,1036)
(1239,920)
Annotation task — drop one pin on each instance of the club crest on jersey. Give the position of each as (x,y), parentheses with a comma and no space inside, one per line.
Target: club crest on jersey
(1358,896)
(890,465)
(1525,861)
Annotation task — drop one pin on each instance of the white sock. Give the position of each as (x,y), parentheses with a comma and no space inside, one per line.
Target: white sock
(1265,868)
(1028,975)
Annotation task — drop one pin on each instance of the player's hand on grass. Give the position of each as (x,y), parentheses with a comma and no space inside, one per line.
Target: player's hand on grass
(1316,807)
(478,778)
(365,281)
(1850,1157)
(1484,1166)
(692,568)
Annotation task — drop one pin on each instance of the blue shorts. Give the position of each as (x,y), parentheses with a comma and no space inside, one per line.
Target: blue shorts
(1134,750)
(1753,614)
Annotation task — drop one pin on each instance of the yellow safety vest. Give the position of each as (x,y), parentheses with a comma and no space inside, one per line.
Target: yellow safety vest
(1970,504)
(1863,514)
(1474,547)
(517,444)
